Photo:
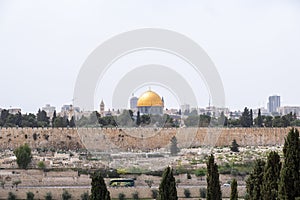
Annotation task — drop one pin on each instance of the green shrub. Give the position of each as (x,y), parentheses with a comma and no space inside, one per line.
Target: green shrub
(135,195)
(30,196)
(121,196)
(11,196)
(85,196)
(188,176)
(187,193)
(48,196)
(66,195)
(41,165)
(154,193)
(23,154)
(203,192)
(200,172)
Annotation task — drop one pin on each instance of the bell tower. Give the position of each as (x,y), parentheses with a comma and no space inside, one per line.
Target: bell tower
(102,107)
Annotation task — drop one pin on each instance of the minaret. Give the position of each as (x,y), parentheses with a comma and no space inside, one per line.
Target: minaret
(163,101)
(102,107)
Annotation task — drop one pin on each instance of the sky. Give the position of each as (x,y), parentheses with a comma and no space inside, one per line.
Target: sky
(255,46)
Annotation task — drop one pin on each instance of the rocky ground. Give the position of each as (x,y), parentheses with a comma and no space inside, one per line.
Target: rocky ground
(61,170)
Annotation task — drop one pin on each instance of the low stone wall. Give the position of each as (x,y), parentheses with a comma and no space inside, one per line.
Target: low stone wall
(137,138)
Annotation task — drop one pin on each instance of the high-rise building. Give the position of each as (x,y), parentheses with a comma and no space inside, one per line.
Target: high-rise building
(274,103)
(185,108)
(289,109)
(49,110)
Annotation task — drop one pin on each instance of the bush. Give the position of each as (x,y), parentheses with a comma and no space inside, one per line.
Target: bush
(234,146)
(188,176)
(149,183)
(85,196)
(154,193)
(23,154)
(11,196)
(30,196)
(121,196)
(41,165)
(203,192)
(66,195)
(135,195)
(187,193)
(200,172)
(48,196)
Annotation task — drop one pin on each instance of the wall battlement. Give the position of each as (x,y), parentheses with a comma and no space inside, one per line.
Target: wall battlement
(137,138)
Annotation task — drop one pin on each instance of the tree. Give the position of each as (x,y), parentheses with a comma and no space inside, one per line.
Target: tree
(259,120)
(245,119)
(234,146)
(72,122)
(29,120)
(289,176)
(121,196)
(11,196)
(271,177)
(66,195)
(167,187)
(267,120)
(48,196)
(85,196)
(251,118)
(125,119)
(138,118)
(173,148)
(154,193)
(187,193)
(23,154)
(53,118)
(255,180)
(61,122)
(222,120)
(135,195)
(213,182)
(234,191)
(30,196)
(99,190)
(42,119)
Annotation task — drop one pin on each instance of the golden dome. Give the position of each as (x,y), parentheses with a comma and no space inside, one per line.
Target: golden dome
(149,98)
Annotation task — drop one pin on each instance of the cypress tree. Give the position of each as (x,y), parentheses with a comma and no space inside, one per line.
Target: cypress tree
(255,180)
(99,190)
(213,182)
(138,119)
(72,122)
(234,191)
(251,118)
(167,187)
(271,176)
(289,186)
(259,119)
(53,118)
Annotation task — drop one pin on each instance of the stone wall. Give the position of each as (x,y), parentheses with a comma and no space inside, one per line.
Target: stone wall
(137,138)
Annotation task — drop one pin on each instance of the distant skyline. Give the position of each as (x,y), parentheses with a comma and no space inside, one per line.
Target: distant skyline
(255,46)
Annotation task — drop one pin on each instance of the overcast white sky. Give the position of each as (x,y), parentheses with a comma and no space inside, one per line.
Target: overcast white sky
(255,45)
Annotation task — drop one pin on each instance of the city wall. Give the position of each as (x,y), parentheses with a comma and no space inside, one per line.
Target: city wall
(137,138)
